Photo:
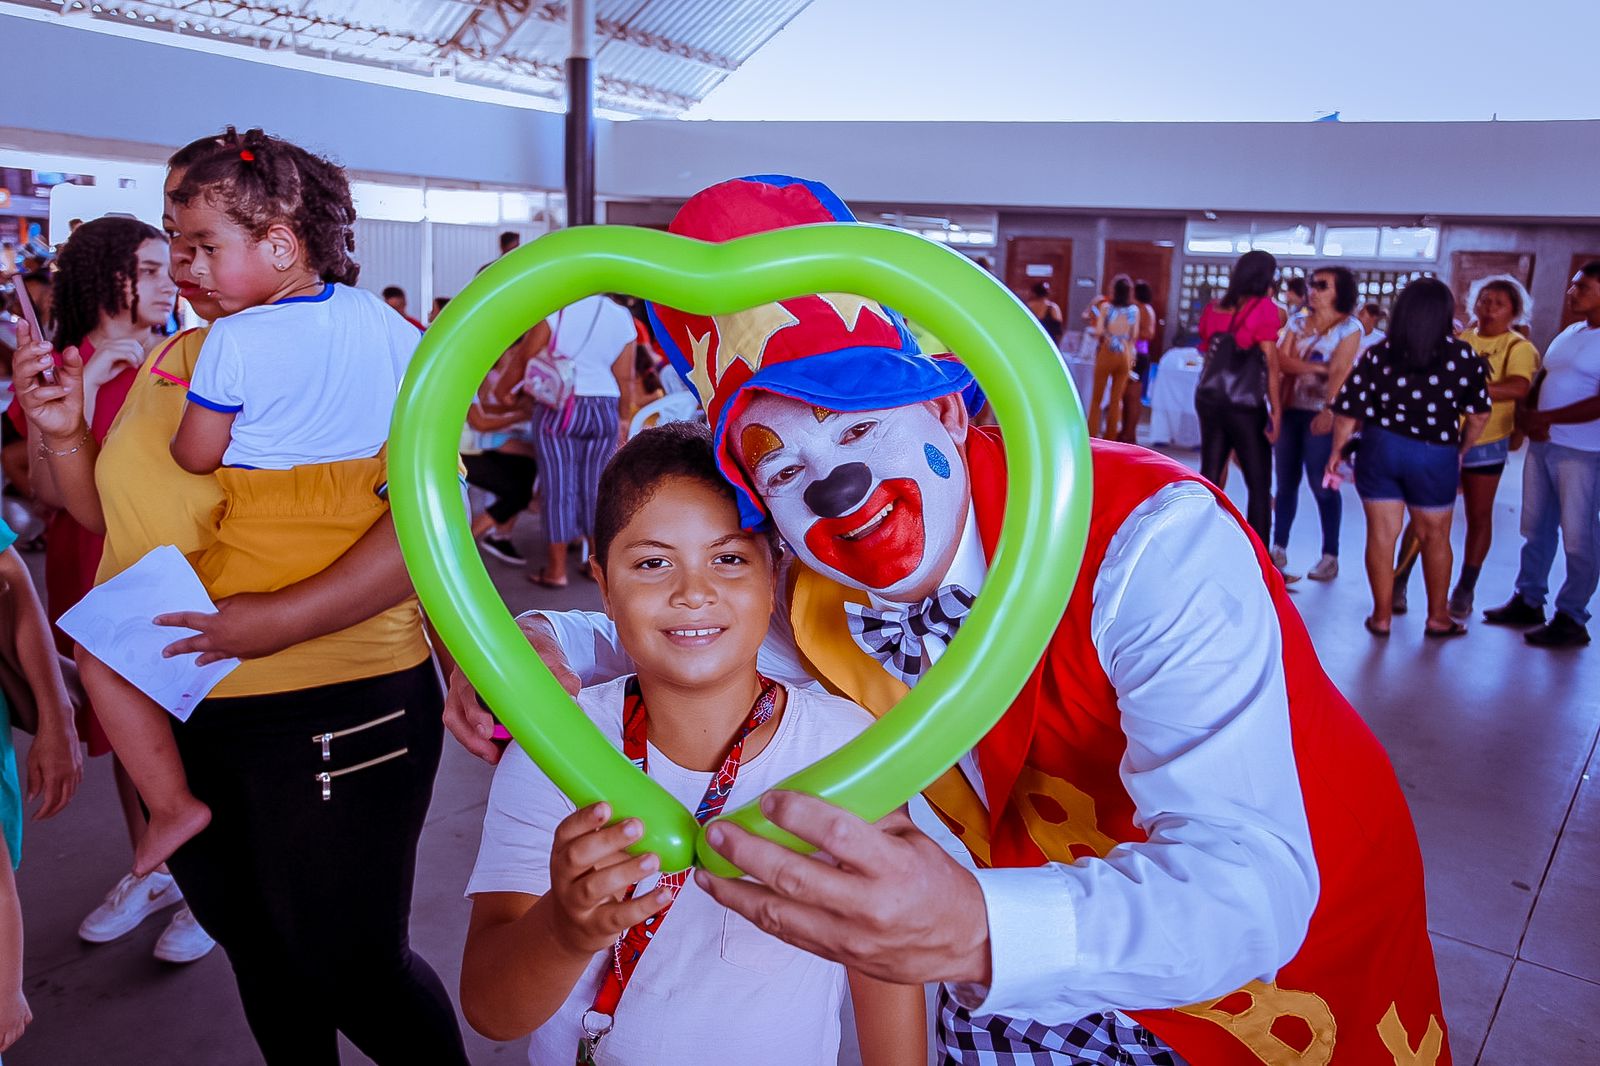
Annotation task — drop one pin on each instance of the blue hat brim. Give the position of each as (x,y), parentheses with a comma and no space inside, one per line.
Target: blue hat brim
(850,379)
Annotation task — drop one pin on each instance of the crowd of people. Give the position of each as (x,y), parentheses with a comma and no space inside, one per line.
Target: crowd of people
(1301,387)
(771,581)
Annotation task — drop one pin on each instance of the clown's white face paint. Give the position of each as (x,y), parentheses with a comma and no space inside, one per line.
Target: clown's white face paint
(873,499)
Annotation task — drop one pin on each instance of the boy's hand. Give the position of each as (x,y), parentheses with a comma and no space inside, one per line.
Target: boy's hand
(470,722)
(591,874)
(55,765)
(14,1018)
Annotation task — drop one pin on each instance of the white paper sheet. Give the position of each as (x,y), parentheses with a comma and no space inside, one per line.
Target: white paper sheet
(114,622)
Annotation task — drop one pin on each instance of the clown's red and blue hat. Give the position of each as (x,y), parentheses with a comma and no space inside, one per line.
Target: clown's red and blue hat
(831,350)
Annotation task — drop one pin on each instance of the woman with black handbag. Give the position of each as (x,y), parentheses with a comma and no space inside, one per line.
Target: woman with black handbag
(1236,398)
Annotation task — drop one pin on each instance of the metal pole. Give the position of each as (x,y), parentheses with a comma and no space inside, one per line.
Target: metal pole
(580,115)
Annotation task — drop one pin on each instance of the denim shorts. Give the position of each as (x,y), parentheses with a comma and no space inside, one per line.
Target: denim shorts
(1492,454)
(1391,466)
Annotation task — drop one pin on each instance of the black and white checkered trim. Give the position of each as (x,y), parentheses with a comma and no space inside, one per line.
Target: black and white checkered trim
(1108,1039)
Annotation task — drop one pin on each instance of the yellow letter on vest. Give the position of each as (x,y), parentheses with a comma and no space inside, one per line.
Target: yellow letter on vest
(1393,1032)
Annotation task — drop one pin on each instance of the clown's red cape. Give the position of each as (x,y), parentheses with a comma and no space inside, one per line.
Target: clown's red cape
(1362,989)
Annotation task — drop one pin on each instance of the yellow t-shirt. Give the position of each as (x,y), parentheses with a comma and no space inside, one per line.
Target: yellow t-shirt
(1509,355)
(149,501)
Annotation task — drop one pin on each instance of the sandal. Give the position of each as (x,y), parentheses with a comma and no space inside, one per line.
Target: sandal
(1455,629)
(1372,627)
(545,582)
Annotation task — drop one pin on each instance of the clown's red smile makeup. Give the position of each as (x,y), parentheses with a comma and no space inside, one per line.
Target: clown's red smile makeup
(880,543)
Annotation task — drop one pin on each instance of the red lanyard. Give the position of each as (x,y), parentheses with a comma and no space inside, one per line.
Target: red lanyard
(628,949)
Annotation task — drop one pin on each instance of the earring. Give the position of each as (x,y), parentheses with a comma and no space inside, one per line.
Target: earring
(281,266)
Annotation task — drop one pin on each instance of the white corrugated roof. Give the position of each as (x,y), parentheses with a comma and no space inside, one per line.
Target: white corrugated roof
(652,57)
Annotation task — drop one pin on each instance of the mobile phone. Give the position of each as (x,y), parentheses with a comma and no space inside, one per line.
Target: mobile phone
(501,736)
(48,375)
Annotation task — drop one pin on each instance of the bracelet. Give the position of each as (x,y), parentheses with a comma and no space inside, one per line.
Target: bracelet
(83,439)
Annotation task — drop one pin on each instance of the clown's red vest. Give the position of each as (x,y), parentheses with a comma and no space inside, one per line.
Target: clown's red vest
(1362,989)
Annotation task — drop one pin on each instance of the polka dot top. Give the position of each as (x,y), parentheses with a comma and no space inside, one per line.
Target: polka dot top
(1425,405)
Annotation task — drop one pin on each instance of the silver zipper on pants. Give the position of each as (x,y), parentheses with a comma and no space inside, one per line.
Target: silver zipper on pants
(327,739)
(326,777)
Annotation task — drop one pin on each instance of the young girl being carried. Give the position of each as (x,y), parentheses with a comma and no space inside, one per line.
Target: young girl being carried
(589,947)
(289,406)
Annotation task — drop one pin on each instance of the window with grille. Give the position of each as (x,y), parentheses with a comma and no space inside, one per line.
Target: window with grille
(1203,282)
(1308,239)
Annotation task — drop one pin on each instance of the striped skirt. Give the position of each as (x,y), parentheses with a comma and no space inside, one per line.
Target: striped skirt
(570,460)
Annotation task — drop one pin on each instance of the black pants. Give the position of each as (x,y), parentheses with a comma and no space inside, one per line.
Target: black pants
(1228,429)
(505,475)
(306,881)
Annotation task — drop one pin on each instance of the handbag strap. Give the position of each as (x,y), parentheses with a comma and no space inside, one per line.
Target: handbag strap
(555,334)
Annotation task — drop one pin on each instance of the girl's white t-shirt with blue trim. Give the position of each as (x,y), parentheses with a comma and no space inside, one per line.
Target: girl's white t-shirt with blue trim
(312,379)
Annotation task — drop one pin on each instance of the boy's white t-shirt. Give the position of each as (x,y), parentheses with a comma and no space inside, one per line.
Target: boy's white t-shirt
(710,984)
(312,379)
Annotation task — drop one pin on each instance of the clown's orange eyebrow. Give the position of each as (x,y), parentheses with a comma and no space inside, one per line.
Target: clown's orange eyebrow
(756,442)
(821,414)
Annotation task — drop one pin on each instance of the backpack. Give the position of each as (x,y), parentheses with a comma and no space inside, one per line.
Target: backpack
(551,376)
(1232,375)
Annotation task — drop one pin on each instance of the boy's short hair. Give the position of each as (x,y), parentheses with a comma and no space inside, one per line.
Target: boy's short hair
(641,466)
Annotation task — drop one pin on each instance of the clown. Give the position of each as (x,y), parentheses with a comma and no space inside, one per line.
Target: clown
(1188,846)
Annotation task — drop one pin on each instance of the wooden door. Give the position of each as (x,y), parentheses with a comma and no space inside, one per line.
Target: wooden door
(1143,261)
(1030,260)
(1579,261)
(1468,268)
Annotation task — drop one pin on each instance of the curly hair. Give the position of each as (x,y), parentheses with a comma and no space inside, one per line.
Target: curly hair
(259,181)
(96,274)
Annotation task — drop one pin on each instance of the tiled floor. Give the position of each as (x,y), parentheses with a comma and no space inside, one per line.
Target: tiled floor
(1494,742)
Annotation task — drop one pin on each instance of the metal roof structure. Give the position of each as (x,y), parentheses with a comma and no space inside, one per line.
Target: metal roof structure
(652,58)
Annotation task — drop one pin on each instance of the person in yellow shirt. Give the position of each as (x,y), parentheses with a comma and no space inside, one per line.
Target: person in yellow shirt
(1500,304)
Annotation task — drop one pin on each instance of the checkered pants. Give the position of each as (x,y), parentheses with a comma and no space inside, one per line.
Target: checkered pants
(1098,1040)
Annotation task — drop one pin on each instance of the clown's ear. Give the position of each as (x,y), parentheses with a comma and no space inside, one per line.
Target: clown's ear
(952,412)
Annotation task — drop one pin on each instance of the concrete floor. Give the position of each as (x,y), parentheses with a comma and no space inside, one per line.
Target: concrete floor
(1495,743)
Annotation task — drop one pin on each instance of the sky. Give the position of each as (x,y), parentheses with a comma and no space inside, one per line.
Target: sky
(1172,60)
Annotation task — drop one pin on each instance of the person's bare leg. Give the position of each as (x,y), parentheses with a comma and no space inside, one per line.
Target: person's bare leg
(1433,527)
(128,797)
(481,524)
(555,567)
(1384,518)
(138,730)
(1477,492)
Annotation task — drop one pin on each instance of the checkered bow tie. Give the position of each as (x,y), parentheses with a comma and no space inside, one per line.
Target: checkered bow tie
(895,637)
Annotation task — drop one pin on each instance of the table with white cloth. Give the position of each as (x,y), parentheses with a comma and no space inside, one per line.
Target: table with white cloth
(1172,416)
(1082,372)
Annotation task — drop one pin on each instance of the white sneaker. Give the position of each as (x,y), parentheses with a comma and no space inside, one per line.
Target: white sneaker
(1327,569)
(184,940)
(132,901)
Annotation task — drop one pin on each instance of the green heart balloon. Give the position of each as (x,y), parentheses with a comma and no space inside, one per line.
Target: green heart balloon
(1034,567)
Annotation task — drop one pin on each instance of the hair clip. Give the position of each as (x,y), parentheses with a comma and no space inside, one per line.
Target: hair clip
(247,155)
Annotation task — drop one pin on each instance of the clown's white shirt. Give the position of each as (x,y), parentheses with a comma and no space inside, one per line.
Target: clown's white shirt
(1222,890)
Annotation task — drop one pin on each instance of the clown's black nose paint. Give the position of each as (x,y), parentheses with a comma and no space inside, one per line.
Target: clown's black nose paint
(840,492)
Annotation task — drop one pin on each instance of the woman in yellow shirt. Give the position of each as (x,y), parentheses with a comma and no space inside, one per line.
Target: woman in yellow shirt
(317,755)
(1499,304)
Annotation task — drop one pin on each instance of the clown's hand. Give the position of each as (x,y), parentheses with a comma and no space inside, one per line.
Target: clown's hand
(470,722)
(889,903)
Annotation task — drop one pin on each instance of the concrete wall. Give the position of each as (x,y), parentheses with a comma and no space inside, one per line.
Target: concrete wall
(161,96)
(1499,169)
(1553,248)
